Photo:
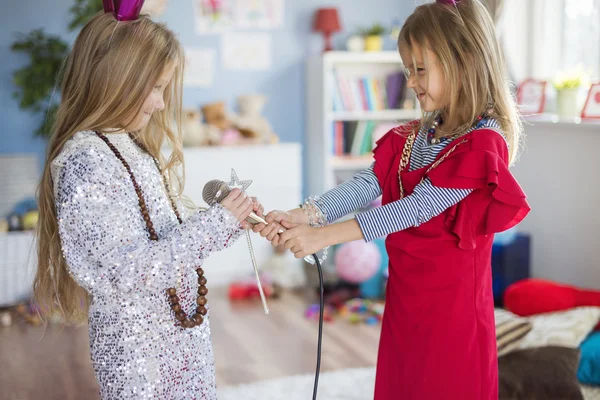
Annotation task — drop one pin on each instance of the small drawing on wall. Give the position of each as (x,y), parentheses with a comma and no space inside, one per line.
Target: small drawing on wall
(259,14)
(199,67)
(246,51)
(213,16)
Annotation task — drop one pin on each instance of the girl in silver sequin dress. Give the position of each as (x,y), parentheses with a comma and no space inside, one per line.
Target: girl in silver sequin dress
(121,96)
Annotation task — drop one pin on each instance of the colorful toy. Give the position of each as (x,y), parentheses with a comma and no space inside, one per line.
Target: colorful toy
(536,296)
(23,216)
(336,294)
(357,261)
(248,289)
(312,313)
(359,310)
(373,288)
(197,133)
(250,121)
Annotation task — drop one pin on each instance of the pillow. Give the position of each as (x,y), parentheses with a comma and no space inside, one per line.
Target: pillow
(536,296)
(510,330)
(564,328)
(544,373)
(589,365)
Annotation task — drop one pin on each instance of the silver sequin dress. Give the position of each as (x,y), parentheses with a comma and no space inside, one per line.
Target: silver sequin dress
(137,350)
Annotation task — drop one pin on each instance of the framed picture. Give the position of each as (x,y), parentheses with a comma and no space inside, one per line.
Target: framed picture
(591,109)
(531,96)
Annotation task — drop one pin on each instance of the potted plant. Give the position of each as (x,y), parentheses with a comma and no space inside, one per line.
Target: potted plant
(36,82)
(567,85)
(373,37)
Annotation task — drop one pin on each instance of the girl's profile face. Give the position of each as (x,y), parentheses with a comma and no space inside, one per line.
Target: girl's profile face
(154,101)
(425,76)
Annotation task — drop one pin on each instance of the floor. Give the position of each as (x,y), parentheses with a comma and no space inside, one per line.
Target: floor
(53,363)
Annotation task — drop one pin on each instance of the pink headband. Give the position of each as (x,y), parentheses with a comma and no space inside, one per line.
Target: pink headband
(123,10)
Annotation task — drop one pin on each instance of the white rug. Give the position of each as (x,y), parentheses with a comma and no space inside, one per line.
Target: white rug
(346,384)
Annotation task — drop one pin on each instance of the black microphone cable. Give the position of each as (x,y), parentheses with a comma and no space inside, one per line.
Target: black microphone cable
(320,335)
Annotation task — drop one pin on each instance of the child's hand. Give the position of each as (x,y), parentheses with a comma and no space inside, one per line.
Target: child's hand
(270,231)
(276,219)
(258,210)
(293,217)
(239,204)
(302,240)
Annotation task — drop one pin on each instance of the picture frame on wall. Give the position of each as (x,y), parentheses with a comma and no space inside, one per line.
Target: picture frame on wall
(531,96)
(591,108)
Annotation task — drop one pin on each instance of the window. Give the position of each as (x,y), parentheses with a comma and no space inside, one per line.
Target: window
(544,37)
(581,35)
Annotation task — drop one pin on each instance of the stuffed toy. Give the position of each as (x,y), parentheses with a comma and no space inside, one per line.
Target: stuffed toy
(196,133)
(536,296)
(251,124)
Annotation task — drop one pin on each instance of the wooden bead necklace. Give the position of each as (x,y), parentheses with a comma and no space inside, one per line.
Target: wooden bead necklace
(180,315)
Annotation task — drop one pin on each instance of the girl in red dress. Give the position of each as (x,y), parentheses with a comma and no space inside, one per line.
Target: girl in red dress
(446,190)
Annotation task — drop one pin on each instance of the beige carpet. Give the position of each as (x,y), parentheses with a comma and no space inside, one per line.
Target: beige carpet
(347,384)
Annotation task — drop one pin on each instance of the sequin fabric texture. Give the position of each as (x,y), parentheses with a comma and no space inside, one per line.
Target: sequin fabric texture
(137,349)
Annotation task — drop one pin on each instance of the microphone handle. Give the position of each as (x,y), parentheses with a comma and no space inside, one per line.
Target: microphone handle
(255,219)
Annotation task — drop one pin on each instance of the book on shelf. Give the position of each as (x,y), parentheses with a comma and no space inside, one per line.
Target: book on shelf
(368,93)
(357,138)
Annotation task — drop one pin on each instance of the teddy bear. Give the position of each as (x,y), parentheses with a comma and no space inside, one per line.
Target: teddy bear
(196,133)
(216,116)
(250,122)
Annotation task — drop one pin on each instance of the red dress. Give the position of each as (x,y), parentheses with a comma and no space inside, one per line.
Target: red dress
(438,337)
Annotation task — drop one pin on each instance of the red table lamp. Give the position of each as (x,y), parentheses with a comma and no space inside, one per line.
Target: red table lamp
(327,21)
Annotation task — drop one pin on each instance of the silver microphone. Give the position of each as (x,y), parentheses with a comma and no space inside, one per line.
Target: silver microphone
(215,191)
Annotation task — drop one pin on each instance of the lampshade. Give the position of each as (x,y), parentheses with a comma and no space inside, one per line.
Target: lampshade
(327,20)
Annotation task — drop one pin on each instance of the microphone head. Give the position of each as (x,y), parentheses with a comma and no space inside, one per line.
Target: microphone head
(214,191)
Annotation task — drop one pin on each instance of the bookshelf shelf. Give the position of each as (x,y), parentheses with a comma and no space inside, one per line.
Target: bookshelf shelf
(344,163)
(380,115)
(353,99)
(338,57)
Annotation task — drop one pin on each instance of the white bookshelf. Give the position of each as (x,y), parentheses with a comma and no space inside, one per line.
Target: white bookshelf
(324,168)
(381,115)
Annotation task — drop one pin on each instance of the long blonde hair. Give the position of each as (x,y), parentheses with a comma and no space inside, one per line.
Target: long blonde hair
(463,38)
(110,71)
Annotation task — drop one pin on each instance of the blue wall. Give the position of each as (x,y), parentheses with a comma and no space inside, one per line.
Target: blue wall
(283,83)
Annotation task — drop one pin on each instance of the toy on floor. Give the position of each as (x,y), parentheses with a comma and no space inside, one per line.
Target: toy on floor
(355,311)
(336,294)
(247,288)
(27,313)
(536,296)
(362,311)
(312,313)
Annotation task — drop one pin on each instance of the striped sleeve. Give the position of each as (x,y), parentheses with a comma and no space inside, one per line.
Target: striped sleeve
(351,195)
(426,202)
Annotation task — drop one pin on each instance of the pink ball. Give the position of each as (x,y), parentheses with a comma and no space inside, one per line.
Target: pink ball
(357,261)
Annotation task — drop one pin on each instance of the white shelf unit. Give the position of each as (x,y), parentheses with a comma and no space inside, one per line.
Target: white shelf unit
(322,165)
